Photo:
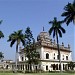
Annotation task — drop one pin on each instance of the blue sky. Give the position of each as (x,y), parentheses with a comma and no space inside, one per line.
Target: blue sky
(19,14)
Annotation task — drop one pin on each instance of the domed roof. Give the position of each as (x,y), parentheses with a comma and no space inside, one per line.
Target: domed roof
(44,37)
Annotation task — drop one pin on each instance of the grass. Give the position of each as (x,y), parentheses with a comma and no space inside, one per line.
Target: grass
(37,74)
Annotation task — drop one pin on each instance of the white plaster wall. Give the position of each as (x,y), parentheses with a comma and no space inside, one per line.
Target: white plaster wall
(42,53)
(56,53)
(44,65)
(70,56)
(66,54)
(20,57)
(49,52)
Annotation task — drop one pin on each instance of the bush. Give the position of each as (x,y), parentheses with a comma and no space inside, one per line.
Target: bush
(19,71)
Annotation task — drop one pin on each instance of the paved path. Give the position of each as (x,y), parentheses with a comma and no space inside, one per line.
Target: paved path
(23,74)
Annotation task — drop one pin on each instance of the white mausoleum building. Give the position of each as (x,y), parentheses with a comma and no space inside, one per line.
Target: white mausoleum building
(47,49)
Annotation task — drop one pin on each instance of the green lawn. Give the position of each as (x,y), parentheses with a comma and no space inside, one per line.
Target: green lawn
(37,74)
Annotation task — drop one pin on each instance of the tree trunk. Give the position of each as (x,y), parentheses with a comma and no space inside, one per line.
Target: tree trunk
(16,56)
(59,55)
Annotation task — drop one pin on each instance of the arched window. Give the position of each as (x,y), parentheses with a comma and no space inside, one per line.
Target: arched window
(66,57)
(46,67)
(63,67)
(63,57)
(22,58)
(47,56)
(54,56)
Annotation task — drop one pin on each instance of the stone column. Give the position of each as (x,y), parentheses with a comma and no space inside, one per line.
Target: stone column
(29,67)
(61,66)
(32,67)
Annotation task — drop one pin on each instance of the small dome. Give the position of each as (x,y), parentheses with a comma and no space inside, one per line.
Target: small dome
(43,37)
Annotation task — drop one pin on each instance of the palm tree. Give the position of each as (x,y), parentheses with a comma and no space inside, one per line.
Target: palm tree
(16,37)
(69,13)
(57,29)
(1,34)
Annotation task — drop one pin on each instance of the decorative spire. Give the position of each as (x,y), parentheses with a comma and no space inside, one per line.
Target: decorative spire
(43,29)
(68,45)
(62,44)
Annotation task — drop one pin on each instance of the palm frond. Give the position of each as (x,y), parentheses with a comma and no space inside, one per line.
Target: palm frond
(1,34)
(66,18)
(62,29)
(51,30)
(69,13)
(65,13)
(1,21)
(50,22)
(23,42)
(69,20)
(56,27)
(60,22)
(19,32)
(12,42)
(16,37)
(59,32)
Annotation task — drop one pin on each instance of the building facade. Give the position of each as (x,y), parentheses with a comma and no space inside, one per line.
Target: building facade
(48,51)
(5,64)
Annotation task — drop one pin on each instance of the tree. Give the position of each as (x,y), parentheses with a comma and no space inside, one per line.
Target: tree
(16,37)
(57,29)
(1,34)
(1,55)
(69,13)
(71,65)
(30,48)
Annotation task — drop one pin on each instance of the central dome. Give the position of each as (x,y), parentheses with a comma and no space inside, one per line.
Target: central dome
(44,37)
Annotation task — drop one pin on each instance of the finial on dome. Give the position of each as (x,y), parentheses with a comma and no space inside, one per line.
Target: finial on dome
(68,45)
(43,28)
